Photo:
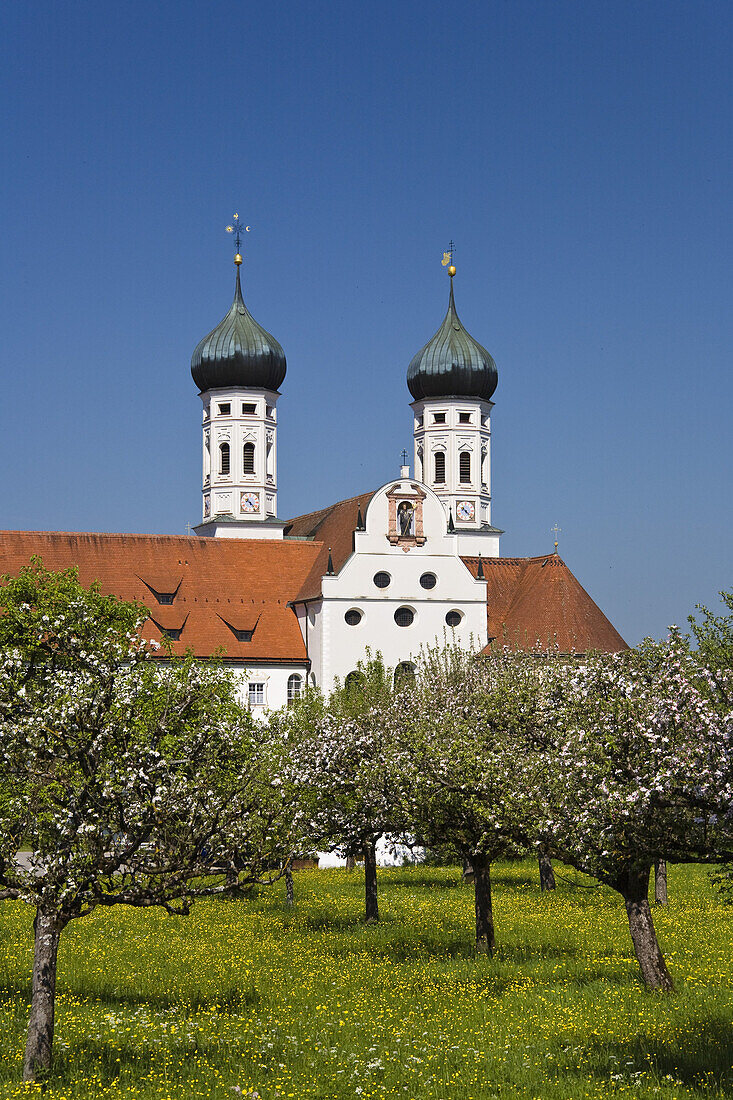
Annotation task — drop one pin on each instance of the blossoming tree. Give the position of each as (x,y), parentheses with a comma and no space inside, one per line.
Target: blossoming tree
(130,783)
(473,721)
(640,746)
(348,768)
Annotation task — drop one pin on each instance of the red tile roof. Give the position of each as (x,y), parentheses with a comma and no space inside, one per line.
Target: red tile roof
(333,528)
(221,586)
(538,602)
(246,583)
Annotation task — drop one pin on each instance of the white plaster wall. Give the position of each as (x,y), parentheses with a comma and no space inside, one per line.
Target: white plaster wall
(343,646)
(275,679)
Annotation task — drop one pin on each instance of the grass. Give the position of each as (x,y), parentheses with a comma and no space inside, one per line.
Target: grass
(244,998)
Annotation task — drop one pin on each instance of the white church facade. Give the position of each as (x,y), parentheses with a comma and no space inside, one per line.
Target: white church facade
(290,602)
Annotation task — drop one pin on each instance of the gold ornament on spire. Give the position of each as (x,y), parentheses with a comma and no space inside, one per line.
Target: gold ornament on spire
(447,260)
(237,230)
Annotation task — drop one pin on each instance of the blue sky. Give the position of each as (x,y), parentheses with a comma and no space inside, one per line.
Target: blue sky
(578,154)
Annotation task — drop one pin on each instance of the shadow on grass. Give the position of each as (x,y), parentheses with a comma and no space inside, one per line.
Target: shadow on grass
(698,1058)
(232,999)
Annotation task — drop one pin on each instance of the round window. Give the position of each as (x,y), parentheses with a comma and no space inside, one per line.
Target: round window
(428,580)
(453,618)
(382,580)
(404,616)
(353,616)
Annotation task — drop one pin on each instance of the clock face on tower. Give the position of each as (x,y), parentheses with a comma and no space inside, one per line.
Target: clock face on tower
(249,502)
(466,510)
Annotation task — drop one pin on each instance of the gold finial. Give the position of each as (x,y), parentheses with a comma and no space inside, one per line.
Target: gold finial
(447,260)
(237,230)
(556,531)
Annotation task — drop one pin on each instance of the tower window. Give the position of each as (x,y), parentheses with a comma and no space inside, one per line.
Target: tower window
(464,418)
(464,466)
(224,410)
(382,579)
(428,580)
(439,460)
(453,618)
(295,686)
(249,410)
(404,616)
(248,458)
(438,418)
(223,458)
(352,617)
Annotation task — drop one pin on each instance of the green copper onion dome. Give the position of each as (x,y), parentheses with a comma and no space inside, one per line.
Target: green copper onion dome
(238,352)
(452,364)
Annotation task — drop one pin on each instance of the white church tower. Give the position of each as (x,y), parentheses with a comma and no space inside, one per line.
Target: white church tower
(238,369)
(452,379)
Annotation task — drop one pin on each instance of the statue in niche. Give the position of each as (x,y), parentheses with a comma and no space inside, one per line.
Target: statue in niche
(405,515)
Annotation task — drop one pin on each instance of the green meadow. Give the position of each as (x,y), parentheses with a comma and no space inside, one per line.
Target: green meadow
(246,998)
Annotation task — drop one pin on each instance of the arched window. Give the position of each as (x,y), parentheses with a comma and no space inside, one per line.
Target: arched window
(464,466)
(248,458)
(404,675)
(439,461)
(223,458)
(354,681)
(295,686)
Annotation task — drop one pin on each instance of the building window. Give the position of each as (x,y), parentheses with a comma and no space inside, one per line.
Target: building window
(464,466)
(223,458)
(295,686)
(404,675)
(354,681)
(249,410)
(453,618)
(270,412)
(248,458)
(382,580)
(224,410)
(428,580)
(439,464)
(404,616)
(438,418)
(256,695)
(464,418)
(419,421)
(353,617)
(171,633)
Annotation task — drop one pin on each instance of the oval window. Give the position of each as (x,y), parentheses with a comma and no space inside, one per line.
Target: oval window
(428,580)
(382,580)
(453,618)
(404,616)
(353,616)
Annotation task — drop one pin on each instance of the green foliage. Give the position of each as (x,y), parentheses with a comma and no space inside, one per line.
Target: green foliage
(714,634)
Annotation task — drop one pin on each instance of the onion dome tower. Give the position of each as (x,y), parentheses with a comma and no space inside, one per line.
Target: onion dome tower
(239,368)
(452,380)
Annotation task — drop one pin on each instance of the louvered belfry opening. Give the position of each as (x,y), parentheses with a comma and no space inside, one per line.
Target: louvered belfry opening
(439,465)
(248,458)
(464,466)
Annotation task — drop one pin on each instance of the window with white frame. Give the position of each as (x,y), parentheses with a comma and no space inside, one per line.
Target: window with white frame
(256,693)
(295,686)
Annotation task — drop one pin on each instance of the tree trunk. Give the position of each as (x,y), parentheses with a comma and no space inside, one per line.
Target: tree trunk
(635,891)
(370,881)
(350,863)
(660,882)
(547,875)
(39,1044)
(484,914)
(289,892)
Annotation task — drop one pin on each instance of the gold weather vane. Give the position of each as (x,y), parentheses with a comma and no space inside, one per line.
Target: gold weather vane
(448,259)
(556,530)
(237,230)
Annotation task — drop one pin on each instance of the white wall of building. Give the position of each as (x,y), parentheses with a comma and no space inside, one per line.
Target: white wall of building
(335,647)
